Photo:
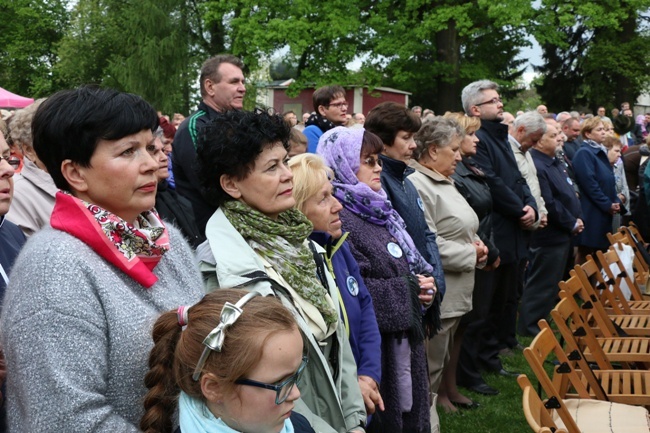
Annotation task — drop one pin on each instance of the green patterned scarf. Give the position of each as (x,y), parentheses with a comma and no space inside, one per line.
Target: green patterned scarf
(282,243)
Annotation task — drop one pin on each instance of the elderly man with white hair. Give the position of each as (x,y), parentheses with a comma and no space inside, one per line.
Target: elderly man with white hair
(550,246)
(525,133)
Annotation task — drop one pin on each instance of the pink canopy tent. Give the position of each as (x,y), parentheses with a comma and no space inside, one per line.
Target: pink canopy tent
(11,100)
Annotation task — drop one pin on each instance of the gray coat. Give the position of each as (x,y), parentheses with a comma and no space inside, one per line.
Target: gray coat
(76,332)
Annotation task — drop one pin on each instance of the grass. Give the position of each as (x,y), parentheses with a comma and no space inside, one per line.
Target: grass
(497,414)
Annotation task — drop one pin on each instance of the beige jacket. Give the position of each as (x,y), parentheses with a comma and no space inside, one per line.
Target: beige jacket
(455,223)
(529,172)
(34,192)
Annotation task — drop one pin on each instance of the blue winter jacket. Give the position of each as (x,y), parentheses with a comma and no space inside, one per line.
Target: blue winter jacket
(358,313)
(406,201)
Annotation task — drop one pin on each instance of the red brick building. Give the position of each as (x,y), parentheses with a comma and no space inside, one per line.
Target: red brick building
(361,100)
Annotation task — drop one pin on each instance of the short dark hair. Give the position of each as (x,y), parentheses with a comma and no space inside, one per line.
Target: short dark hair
(70,123)
(370,144)
(231,143)
(210,68)
(324,95)
(388,118)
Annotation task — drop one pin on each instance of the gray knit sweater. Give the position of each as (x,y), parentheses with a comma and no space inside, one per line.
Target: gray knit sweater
(77,334)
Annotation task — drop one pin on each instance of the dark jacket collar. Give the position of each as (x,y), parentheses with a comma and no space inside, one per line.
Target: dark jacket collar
(495,128)
(395,168)
(547,160)
(211,112)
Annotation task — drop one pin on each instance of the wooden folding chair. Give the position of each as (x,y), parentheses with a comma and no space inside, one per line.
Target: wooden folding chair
(558,415)
(615,278)
(592,309)
(622,386)
(625,324)
(641,266)
(539,414)
(630,352)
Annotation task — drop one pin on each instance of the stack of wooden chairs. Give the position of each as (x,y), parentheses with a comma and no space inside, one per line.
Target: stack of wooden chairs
(593,365)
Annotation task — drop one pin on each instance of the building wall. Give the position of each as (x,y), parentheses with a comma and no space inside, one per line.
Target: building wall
(360,100)
(371,100)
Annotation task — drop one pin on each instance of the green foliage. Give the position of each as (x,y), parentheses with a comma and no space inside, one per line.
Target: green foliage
(135,46)
(432,48)
(593,52)
(29,33)
(321,38)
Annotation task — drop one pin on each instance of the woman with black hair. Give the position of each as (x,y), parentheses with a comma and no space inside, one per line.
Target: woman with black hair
(85,292)
(258,240)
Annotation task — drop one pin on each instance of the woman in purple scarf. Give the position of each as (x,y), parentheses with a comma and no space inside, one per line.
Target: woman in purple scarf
(398,278)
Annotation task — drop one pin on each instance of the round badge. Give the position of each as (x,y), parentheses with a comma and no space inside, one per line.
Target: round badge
(394,250)
(420,204)
(353,286)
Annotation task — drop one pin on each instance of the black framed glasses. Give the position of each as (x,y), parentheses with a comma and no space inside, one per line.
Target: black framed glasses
(491,101)
(282,389)
(13,161)
(372,162)
(339,105)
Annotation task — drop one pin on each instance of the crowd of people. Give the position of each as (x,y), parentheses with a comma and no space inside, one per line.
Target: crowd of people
(240,271)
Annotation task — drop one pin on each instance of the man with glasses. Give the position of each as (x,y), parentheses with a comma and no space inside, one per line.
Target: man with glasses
(11,237)
(330,109)
(514,211)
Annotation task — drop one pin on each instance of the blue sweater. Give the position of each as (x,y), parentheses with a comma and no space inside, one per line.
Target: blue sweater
(359,313)
(313,134)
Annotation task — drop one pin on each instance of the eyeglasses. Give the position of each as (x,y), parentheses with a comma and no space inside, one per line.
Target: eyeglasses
(13,161)
(372,162)
(282,389)
(339,105)
(491,101)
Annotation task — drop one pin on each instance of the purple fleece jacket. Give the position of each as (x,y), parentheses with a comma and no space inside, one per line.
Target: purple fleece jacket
(385,278)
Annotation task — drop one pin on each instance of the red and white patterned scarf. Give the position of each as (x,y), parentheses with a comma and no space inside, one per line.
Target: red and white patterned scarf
(134,250)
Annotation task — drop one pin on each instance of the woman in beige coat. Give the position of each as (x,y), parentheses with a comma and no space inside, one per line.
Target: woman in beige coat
(447,214)
(34,189)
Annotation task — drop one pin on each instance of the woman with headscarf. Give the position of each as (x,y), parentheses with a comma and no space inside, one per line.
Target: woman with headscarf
(397,276)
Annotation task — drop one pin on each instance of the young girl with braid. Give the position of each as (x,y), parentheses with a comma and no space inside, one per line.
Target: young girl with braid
(230,363)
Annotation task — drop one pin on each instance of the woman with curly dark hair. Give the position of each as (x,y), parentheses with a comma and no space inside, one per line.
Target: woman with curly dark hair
(257,240)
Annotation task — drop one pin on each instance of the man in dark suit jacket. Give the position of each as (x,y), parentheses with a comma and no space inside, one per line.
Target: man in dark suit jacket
(514,212)
(571,128)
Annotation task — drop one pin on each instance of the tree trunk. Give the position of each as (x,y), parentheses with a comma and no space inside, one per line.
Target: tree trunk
(449,85)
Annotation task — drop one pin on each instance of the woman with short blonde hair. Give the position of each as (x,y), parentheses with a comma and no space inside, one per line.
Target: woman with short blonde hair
(312,190)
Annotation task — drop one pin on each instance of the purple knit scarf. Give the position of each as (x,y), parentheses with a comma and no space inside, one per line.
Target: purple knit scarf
(341,149)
